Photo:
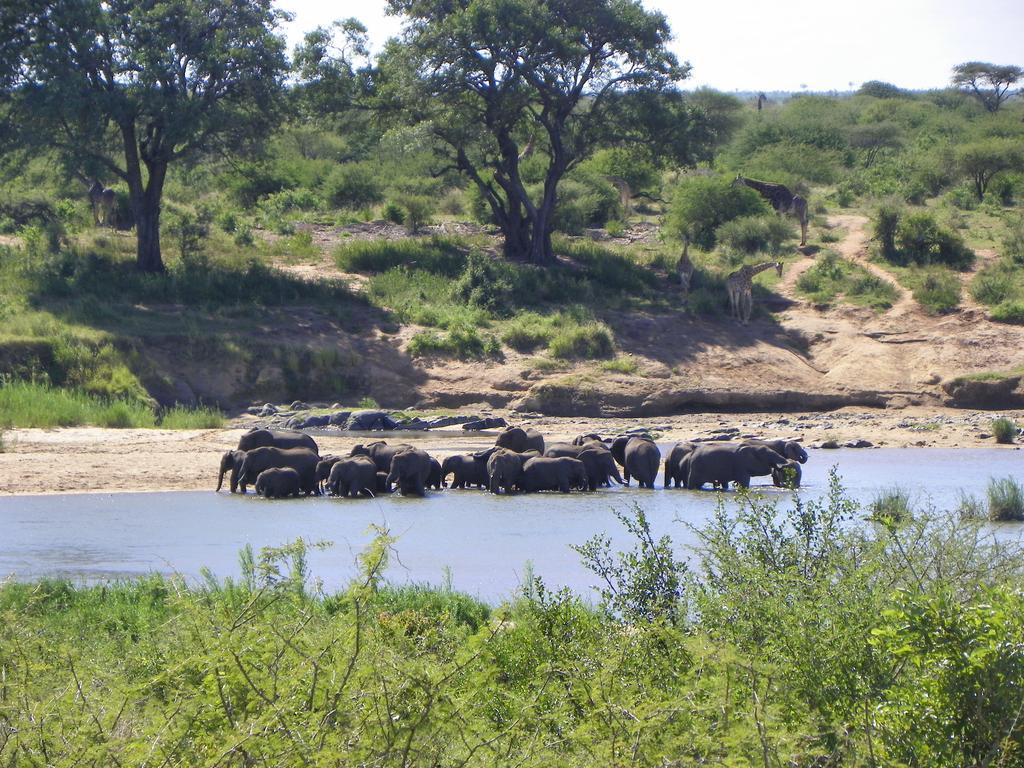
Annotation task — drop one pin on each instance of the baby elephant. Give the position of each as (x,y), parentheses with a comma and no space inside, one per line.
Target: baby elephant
(278,483)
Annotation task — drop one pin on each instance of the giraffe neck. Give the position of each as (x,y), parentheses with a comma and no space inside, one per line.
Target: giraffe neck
(759,268)
(760,186)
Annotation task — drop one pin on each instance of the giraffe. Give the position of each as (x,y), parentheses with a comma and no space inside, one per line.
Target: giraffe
(761,99)
(684,270)
(741,288)
(781,199)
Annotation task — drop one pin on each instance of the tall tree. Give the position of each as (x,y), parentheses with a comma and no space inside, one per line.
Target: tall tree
(132,86)
(990,83)
(495,77)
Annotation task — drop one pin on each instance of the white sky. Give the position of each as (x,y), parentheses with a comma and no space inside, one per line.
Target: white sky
(767,45)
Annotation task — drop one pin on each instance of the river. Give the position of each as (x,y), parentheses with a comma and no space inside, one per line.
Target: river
(481,543)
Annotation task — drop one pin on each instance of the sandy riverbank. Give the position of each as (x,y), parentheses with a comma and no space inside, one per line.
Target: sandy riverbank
(121,460)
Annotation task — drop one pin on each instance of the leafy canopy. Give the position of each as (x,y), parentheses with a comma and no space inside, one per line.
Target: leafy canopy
(990,83)
(497,77)
(118,86)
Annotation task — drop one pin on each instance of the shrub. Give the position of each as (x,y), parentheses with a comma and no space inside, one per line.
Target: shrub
(393,212)
(584,200)
(1005,430)
(1005,500)
(527,331)
(887,221)
(891,505)
(486,283)
(937,290)
(417,211)
(353,185)
(701,204)
(993,284)
(921,240)
(753,234)
(1009,312)
(587,342)
(1013,241)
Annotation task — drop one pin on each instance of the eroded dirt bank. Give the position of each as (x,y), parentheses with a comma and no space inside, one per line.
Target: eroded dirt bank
(104,460)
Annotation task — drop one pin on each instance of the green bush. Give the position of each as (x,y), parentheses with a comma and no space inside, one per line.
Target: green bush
(1004,430)
(701,204)
(1009,312)
(887,222)
(393,212)
(937,290)
(921,240)
(1005,500)
(833,276)
(353,185)
(584,342)
(584,200)
(528,330)
(754,234)
(994,284)
(1013,241)
(417,210)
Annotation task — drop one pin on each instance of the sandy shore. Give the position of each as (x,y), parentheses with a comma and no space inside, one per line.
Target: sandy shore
(122,460)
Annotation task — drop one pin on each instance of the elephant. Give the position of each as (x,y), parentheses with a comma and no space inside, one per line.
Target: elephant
(673,473)
(380,452)
(519,440)
(726,464)
(352,476)
(409,470)
(546,473)
(572,450)
(591,437)
(504,468)
(467,469)
(230,460)
(382,483)
(600,466)
(787,476)
(639,457)
(790,449)
(323,469)
(278,483)
(277,438)
(302,460)
(435,480)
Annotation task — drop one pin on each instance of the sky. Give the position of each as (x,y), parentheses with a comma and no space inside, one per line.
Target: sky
(817,45)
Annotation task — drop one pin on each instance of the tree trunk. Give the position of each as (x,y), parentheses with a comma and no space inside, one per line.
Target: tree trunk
(147,221)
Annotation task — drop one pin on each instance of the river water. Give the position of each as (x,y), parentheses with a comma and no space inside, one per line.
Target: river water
(482,544)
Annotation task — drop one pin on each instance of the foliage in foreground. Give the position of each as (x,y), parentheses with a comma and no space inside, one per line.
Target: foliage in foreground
(797,639)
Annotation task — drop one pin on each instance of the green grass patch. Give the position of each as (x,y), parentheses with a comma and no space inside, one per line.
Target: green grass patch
(1009,312)
(29,404)
(424,298)
(891,505)
(588,341)
(833,278)
(437,255)
(1005,500)
(25,404)
(183,417)
(458,342)
(625,365)
(936,289)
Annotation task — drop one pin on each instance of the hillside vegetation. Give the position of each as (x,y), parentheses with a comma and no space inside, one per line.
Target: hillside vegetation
(349,252)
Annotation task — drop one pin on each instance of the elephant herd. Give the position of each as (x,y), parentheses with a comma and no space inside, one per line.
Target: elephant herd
(281,463)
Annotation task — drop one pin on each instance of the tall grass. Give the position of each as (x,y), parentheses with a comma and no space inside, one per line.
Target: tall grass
(891,504)
(439,255)
(1005,500)
(1005,430)
(28,404)
(833,277)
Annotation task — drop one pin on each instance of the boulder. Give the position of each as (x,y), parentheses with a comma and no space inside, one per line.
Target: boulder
(491,422)
(268,409)
(370,420)
(338,418)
